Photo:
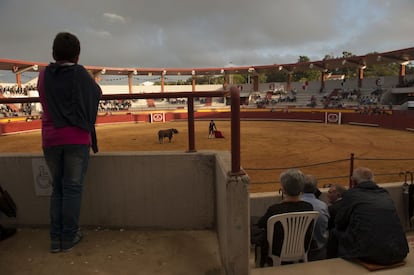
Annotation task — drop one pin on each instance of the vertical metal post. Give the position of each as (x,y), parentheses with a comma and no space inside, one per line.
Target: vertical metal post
(351,170)
(191,135)
(235,131)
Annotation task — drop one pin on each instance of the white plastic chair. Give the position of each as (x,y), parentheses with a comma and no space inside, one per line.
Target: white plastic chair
(295,225)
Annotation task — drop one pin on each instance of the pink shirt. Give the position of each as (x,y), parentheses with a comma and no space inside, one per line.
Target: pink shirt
(52,136)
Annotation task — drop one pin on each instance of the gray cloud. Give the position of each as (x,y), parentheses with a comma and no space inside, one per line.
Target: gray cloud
(184,33)
(114,18)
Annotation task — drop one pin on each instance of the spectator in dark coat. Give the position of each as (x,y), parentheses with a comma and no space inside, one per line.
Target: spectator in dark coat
(367,226)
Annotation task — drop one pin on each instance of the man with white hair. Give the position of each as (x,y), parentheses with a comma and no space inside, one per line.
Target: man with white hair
(292,182)
(367,226)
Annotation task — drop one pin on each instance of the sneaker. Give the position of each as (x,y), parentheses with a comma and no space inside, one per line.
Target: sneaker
(55,246)
(67,246)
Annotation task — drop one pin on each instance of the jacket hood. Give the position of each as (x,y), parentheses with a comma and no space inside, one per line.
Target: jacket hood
(55,68)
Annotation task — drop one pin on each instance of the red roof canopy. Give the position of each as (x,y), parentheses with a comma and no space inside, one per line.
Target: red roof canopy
(328,65)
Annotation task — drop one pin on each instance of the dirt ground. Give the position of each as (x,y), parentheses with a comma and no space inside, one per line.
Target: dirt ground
(267,147)
(110,251)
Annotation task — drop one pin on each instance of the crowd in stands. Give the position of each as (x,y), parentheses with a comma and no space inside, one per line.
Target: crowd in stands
(8,110)
(338,98)
(114,105)
(374,110)
(181,100)
(406,83)
(357,223)
(275,97)
(16,90)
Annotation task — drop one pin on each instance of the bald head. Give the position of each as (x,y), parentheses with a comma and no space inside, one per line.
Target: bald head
(362,174)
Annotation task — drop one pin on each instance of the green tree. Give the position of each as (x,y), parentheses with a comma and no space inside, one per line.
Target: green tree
(391,69)
(275,76)
(308,75)
(327,57)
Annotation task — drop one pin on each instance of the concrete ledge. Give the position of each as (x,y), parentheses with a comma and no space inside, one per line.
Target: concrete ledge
(152,190)
(336,266)
(166,190)
(339,266)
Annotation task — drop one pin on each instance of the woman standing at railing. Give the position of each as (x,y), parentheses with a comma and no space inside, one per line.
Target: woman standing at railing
(69,97)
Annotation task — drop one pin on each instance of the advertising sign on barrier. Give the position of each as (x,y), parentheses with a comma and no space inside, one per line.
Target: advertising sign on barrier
(332,117)
(157,117)
(42,178)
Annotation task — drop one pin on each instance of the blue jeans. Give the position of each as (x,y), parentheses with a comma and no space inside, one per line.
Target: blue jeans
(67,165)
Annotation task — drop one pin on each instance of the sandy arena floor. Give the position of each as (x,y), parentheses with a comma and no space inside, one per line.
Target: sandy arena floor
(264,145)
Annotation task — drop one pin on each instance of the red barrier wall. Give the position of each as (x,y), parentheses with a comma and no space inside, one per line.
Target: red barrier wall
(19,126)
(399,120)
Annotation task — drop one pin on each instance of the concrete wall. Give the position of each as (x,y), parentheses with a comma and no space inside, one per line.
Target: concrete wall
(233,219)
(160,190)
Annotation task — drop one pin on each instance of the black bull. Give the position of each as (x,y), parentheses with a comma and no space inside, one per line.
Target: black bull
(166,133)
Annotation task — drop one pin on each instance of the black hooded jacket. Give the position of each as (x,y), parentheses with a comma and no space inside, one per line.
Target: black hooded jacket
(72,97)
(368,226)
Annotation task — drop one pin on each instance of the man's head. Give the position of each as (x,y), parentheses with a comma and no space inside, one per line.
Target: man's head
(310,184)
(66,47)
(362,174)
(335,192)
(292,181)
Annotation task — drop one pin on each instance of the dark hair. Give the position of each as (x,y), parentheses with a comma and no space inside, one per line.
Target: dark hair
(66,47)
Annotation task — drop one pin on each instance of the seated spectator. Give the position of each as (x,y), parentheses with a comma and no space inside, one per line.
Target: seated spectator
(321,233)
(367,226)
(292,182)
(335,199)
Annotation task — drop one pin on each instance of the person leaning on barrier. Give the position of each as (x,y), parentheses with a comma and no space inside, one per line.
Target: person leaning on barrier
(367,226)
(70,99)
(292,182)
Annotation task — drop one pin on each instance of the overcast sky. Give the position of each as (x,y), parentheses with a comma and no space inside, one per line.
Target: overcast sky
(208,33)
